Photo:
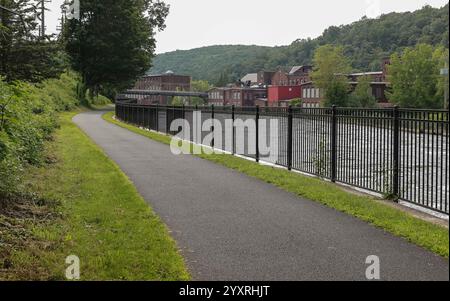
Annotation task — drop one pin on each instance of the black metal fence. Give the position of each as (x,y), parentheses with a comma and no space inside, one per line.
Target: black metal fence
(399,153)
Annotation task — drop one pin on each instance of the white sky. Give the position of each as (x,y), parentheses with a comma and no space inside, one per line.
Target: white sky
(197,23)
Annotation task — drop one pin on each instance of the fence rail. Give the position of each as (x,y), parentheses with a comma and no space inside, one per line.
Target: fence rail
(399,153)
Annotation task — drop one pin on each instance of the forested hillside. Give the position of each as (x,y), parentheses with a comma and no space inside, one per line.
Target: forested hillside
(206,62)
(366,42)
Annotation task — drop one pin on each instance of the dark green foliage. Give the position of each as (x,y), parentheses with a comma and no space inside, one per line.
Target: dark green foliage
(23,55)
(362,96)
(337,94)
(217,64)
(415,77)
(365,42)
(27,120)
(113,42)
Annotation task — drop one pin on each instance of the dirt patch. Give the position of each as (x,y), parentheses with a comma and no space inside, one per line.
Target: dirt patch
(19,215)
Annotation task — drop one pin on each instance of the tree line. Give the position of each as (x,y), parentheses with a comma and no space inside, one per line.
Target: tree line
(105,50)
(365,43)
(414,76)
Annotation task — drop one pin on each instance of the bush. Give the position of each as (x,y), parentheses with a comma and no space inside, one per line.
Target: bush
(28,117)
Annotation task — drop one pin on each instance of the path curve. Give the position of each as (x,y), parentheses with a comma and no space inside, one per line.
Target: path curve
(233,227)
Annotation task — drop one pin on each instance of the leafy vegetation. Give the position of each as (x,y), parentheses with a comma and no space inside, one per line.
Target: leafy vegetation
(208,63)
(365,43)
(363,97)
(330,67)
(27,119)
(415,77)
(98,215)
(113,42)
(425,234)
(24,56)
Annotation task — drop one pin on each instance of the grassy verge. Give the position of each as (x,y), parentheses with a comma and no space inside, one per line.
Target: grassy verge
(99,217)
(430,236)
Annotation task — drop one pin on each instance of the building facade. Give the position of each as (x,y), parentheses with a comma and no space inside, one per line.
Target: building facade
(276,94)
(237,96)
(162,82)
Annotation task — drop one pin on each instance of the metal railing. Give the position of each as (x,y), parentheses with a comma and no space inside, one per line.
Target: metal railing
(399,153)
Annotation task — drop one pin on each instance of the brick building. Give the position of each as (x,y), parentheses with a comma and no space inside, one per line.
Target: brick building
(238,96)
(162,82)
(312,96)
(265,78)
(277,94)
(295,77)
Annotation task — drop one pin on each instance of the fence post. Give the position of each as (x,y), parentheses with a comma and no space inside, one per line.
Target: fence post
(167,118)
(233,142)
(289,146)
(257,134)
(212,128)
(334,144)
(157,117)
(396,159)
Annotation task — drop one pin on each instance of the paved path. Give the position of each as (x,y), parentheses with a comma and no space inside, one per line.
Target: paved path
(233,227)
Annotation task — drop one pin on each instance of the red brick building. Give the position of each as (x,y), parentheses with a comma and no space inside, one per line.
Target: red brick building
(295,77)
(238,96)
(312,96)
(162,82)
(276,94)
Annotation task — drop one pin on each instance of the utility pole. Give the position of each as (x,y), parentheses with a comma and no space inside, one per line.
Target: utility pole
(41,16)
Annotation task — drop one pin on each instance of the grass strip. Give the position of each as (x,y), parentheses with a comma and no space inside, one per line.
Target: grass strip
(104,221)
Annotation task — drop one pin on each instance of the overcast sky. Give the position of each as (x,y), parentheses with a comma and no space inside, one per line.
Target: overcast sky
(197,23)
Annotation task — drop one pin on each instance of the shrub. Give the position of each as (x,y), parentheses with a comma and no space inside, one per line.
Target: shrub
(28,117)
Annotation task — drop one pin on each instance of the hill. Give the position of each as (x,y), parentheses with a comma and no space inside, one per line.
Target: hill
(366,42)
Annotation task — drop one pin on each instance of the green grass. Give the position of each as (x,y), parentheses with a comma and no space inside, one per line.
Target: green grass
(425,234)
(105,222)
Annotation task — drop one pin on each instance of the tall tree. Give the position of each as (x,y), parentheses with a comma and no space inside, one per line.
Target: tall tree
(199,86)
(363,96)
(337,93)
(113,42)
(415,79)
(23,55)
(329,74)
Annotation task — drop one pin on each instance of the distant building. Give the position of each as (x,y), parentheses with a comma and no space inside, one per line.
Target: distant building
(278,88)
(277,94)
(312,96)
(295,77)
(250,79)
(162,82)
(265,78)
(238,96)
(299,75)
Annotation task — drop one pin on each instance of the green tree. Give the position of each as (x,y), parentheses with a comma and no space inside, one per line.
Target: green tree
(337,94)
(366,42)
(363,96)
(23,56)
(113,42)
(441,55)
(199,86)
(414,77)
(329,74)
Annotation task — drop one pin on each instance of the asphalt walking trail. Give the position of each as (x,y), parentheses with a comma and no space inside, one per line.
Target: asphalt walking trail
(233,227)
